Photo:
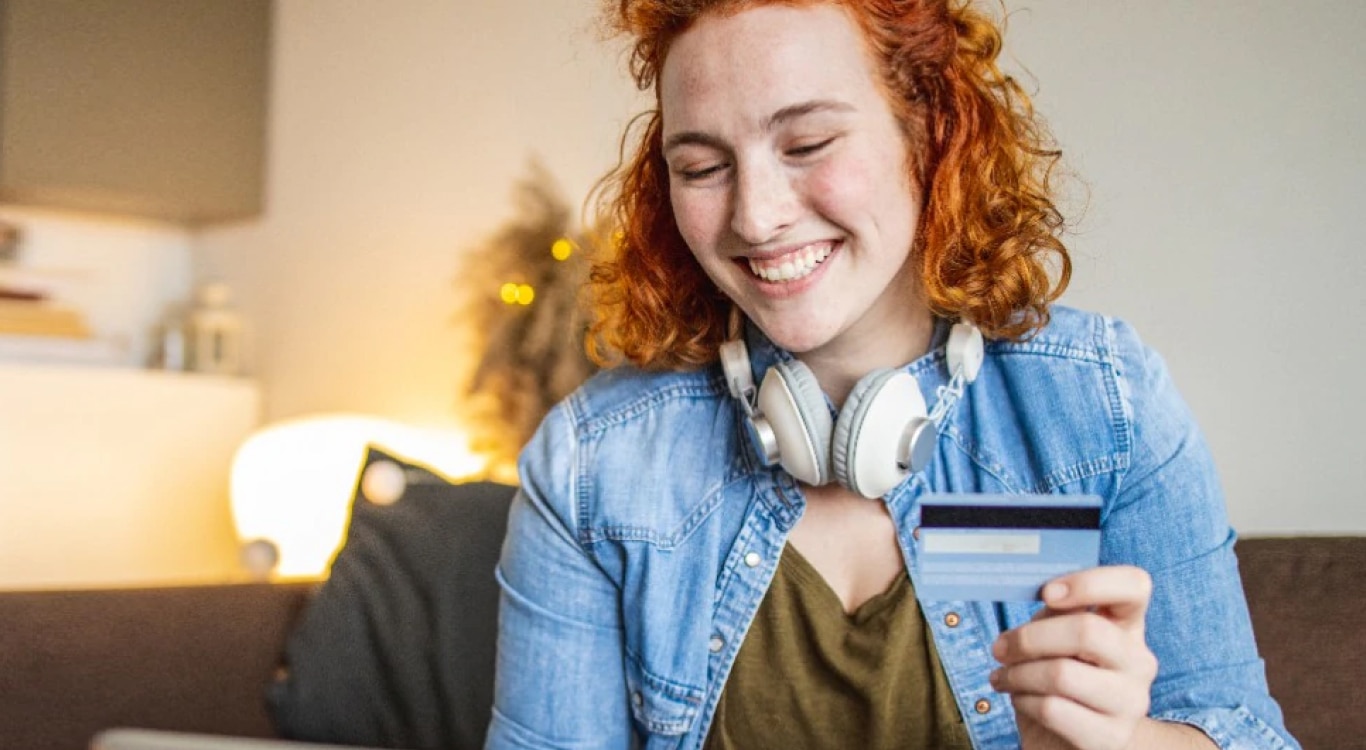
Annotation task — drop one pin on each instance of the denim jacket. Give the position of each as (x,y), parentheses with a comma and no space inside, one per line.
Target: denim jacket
(646,532)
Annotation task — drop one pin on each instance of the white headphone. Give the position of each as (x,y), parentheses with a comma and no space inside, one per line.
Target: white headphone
(882,434)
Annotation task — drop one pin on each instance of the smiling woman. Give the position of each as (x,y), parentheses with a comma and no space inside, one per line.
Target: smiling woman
(979,163)
(840,201)
(775,156)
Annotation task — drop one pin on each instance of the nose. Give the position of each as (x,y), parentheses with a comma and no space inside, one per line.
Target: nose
(764,204)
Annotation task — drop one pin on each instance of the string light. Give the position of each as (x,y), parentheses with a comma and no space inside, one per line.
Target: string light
(562,249)
(517,294)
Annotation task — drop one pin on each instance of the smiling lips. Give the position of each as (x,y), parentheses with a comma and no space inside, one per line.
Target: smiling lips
(791,266)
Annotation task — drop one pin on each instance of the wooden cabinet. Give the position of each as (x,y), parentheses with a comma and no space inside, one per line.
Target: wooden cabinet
(150,108)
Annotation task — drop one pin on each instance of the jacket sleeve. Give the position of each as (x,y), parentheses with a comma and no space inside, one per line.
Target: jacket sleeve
(1169,518)
(560,680)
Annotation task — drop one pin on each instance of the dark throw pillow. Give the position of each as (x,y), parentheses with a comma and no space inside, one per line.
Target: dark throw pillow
(397,647)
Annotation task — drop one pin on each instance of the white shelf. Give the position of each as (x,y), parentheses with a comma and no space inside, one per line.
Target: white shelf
(53,350)
(118,475)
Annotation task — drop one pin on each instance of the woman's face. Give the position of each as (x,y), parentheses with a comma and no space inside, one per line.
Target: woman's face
(789,178)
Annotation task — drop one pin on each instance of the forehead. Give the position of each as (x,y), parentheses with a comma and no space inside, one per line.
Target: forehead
(749,64)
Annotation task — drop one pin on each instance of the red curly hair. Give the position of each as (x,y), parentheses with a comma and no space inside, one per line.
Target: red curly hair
(988,233)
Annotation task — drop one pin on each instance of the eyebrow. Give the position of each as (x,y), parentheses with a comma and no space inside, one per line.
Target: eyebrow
(786,114)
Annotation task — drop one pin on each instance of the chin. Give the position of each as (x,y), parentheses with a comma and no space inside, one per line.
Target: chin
(796,338)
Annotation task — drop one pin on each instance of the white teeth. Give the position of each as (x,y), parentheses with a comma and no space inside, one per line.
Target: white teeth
(792,267)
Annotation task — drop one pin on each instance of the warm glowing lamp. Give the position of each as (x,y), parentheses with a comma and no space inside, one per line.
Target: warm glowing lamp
(292,484)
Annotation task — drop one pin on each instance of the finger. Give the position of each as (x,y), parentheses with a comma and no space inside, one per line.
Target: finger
(1044,613)
(1101,690)
(1087,636)
(1076,724)
(1122,592)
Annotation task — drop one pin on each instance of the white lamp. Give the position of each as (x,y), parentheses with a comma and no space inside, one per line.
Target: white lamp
(292,483)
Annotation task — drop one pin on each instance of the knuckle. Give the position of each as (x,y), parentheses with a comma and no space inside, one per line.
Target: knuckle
(1143,704)
(1148,665)
(1092,630)
(1061,676)
(1051,710)
(1138,703)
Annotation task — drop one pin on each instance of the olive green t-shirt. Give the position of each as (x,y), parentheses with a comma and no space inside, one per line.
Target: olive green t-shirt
(810,675)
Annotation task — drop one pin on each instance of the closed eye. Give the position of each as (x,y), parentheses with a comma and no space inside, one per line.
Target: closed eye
(809,149)
(694,175)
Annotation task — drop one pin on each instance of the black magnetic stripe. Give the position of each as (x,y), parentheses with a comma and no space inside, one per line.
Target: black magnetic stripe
(1008,517)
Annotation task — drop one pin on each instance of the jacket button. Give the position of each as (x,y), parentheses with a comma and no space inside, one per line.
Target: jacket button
(983,705)
(952,619)
(715,644)
(637,699)
(752,559)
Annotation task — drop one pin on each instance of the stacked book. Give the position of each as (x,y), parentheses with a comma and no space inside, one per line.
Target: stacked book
(24,313)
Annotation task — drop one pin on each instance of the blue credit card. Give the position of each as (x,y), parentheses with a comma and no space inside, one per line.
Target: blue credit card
(1002,548)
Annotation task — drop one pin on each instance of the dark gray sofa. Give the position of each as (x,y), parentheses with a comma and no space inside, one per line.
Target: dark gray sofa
(204,658)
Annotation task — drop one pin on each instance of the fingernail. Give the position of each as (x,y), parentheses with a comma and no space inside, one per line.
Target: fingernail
(1054,591)
(995,678)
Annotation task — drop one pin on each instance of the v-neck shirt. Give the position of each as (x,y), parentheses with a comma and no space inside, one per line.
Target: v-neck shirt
(810,675)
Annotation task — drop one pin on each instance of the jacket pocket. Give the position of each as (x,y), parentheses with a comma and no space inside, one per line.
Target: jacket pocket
(661,707)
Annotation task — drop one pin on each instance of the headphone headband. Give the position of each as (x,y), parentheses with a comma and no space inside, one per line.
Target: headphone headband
(735,364)
(882,433)
(965,350)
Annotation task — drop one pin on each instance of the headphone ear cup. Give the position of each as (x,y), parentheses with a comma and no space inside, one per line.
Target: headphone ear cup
(867,445)
(792,402)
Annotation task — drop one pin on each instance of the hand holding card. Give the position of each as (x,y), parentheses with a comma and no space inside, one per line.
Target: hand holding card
(1002,547)
(1079,674)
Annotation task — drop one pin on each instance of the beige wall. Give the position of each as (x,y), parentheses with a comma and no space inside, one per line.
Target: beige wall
(1221,142)
(398,132)
(1217,139)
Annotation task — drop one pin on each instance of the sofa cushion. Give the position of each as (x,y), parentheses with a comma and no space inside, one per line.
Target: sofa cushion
(188,658)
(397,647)
(1308,607)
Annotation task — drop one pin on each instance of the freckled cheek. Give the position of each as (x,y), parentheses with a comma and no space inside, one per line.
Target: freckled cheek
(859,195)
(834,192)
(700,219)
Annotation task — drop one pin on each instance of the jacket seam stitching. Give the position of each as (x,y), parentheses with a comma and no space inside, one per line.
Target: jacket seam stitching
(969,449)
(1122,426)
(1076,472)
(1060,351)
(580,483)
(629,411)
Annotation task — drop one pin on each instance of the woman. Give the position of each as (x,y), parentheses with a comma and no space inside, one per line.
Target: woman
(823,191)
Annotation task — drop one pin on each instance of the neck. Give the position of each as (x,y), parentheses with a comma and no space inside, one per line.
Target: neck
(883,343)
